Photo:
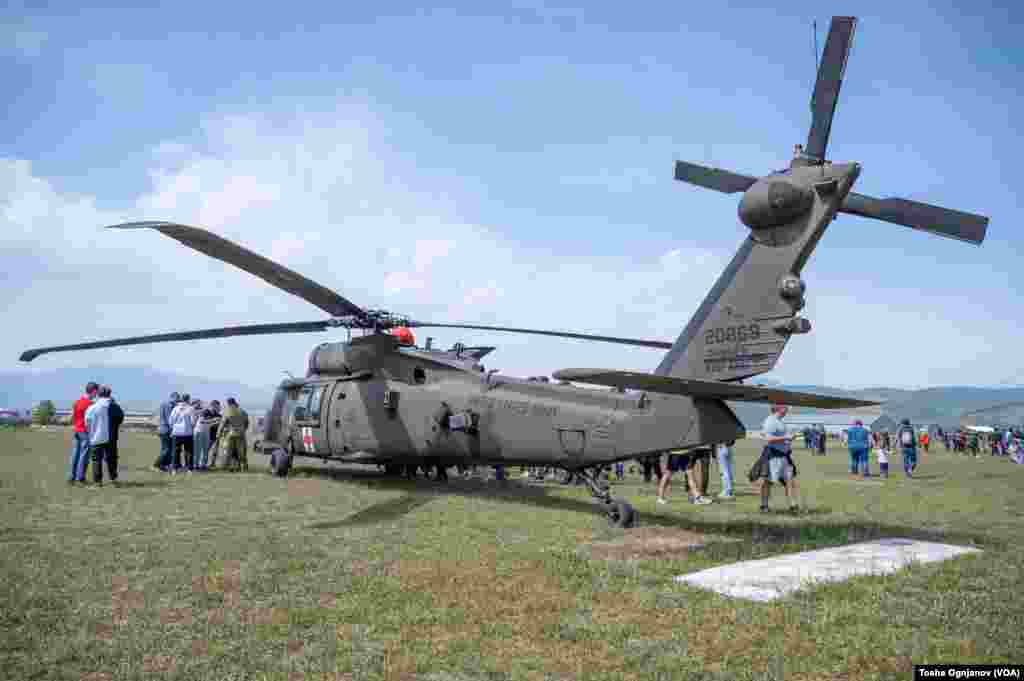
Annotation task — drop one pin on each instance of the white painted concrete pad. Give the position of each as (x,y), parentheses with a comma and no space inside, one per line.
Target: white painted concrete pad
(772,578)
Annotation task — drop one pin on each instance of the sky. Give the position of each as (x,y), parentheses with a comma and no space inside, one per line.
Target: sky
(499,164)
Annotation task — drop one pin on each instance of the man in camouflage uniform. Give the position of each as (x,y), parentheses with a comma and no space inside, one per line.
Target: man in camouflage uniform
(234,425)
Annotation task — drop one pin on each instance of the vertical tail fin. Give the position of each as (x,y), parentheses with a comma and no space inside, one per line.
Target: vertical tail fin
(744,323)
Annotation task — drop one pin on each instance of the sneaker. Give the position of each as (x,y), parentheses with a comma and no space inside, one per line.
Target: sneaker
(702,501)
(794,510)
(764,509)
(723,495)
(662,501)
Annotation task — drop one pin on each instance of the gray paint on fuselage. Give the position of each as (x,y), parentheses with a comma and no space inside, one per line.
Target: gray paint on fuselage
(519,421)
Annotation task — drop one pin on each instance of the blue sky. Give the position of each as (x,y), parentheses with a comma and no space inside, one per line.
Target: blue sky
(501,165)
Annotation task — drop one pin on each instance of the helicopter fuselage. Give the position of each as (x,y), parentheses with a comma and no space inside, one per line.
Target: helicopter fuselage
(373,401)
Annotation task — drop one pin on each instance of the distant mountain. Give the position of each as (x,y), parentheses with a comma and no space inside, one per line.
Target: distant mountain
(941,406)
(135,388)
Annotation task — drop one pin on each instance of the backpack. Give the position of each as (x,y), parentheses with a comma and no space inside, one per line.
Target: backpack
(907,437)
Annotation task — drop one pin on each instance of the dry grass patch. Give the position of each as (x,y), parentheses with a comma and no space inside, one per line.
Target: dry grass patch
(305,487)
(264,616)
(522,595)
(159,663)
(172,616)
(651,543)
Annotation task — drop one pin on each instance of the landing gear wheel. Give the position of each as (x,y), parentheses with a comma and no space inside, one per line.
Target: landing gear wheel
(280,463)
(621,514)
(392,470)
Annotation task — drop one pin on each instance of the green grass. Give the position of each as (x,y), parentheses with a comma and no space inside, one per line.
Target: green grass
(245,576)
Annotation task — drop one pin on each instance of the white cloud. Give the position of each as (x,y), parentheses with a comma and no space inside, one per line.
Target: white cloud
(290,189)
(319,192)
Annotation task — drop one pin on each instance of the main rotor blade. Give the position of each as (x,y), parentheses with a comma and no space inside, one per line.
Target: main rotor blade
(940,221)
(557,334)
(826,88)
(253,263)
(225,332)
(713,178)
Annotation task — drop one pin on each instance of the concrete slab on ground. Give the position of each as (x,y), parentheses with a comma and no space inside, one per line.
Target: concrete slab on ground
(772,578)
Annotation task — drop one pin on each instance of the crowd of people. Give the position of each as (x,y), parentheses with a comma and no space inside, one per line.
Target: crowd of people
(1007,442)
(194,436)
(202,433)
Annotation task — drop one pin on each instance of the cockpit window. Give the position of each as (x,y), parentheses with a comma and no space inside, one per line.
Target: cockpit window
(314,403)
(307,407)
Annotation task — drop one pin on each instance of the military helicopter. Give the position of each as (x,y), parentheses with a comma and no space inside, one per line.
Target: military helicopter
(380,399)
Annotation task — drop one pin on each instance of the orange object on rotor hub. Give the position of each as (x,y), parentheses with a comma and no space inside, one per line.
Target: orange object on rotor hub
(404,335)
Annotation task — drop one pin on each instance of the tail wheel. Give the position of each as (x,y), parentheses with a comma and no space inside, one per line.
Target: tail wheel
(621,514)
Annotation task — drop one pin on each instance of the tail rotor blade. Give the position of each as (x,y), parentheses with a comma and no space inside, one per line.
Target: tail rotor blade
(953,224)
(826,88)
(713,178)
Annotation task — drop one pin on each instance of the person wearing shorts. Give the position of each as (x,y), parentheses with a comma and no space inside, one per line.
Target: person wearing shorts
(698,474)
(780,466)
(670,463)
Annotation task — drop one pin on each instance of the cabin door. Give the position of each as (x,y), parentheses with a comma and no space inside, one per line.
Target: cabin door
(309,421)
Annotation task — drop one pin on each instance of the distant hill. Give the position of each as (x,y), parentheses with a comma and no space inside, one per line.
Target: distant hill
(135,388)
(942,406)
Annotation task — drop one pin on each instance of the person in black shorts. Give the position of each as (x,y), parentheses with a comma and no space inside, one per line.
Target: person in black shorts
(670,463)
(699,474)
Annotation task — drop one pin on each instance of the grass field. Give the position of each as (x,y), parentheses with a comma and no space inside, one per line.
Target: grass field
(245,576)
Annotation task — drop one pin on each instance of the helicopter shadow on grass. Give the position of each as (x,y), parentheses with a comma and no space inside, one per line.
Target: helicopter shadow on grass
(771,528)
(420,491)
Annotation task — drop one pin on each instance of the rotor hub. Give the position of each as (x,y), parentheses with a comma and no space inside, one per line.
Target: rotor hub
(773,202)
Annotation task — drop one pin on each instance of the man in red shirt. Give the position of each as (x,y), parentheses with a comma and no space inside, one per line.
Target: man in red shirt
(80,447)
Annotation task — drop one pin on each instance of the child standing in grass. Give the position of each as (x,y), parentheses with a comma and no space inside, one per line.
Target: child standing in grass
(883,460)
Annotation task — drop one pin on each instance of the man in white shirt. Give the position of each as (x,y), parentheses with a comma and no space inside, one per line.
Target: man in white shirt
(97,420)
(182,421)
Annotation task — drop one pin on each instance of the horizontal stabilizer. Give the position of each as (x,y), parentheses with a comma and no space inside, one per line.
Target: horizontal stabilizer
(941,221)
(707,390)
(713,178)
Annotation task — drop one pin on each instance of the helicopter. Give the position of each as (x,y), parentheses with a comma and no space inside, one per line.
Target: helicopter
(380,399)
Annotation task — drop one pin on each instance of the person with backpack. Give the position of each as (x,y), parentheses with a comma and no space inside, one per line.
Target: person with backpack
(908,444)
